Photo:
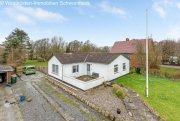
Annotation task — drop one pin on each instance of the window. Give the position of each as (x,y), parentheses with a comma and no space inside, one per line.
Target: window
(88,67)
(31,68)
(55,68)
(124,66)
(115,68)
(75,68)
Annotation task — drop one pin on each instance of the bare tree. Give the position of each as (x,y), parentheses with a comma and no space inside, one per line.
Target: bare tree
(154,54)
(140,53)
(75,46)
(168,50)
(58,45)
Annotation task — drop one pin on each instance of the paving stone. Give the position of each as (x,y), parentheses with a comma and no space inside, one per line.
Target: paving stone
(130,106)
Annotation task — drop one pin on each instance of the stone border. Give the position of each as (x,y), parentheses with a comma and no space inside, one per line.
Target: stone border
(150,109)
(53,103)
(105,113)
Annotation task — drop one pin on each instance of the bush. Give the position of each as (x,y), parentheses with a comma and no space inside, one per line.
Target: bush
(118,91)
(132,70)
(138,70)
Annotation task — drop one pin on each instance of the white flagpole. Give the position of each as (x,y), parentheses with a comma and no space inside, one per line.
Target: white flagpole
(147,53)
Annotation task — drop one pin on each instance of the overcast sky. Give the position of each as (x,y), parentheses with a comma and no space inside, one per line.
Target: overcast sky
(102,22)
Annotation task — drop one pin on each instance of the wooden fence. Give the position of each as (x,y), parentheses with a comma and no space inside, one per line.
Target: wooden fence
(43,69)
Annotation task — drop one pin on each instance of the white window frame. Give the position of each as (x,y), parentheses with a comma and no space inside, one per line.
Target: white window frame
(55,69)
(124,66)
(75,68)
(116,69)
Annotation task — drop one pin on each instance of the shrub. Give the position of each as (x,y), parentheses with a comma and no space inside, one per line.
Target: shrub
(138,70)
(120,94)
(118,91)
(115,88)
(132,69)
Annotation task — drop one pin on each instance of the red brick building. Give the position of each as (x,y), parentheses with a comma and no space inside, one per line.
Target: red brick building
(128,48)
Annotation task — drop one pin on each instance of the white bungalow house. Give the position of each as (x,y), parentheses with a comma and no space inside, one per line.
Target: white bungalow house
(87,70)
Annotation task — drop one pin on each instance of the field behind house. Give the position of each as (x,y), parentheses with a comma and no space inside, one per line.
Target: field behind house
(36,63)
(164,94)
(170,70)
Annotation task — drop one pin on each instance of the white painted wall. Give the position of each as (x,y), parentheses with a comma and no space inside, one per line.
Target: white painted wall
(67,70)
(83,85)
(94,83)
(104,70)
(119,60)
(55,61)
(99,68)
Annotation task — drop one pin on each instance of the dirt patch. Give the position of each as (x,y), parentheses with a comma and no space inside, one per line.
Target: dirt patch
(86,78)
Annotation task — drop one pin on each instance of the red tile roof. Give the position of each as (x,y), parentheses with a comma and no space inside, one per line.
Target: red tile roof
(127,46)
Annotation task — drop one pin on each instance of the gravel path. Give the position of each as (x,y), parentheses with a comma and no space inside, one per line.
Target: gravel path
(9,111)
(139,110)
(104,98)
(70,105)
(38,109)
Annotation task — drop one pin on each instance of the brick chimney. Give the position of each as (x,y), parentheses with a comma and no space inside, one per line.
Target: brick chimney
(127,39)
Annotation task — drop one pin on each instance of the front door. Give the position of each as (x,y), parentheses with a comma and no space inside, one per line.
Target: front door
(88,69)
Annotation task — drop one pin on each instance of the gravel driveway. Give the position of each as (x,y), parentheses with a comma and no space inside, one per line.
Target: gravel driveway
(40,110)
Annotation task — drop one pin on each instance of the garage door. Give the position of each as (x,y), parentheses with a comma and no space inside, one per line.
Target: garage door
(3,77)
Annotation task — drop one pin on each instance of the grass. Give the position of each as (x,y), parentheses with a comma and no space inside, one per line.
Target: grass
(35,62)
(48,88)
(164,94)
(170,70)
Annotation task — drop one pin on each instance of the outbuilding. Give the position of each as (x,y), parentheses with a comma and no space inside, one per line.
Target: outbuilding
(5,73)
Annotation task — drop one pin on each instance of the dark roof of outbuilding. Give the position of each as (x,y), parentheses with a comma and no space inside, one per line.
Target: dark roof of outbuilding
(6,68)
(104,58)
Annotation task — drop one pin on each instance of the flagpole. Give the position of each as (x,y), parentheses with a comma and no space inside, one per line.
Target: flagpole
(146,54)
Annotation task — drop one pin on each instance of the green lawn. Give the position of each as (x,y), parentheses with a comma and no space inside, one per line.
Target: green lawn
(164,94)
(36,63)
(170,70)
